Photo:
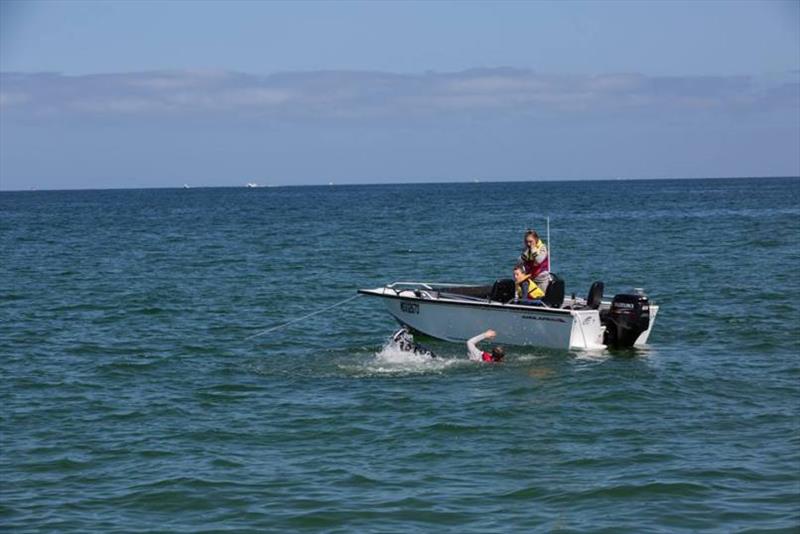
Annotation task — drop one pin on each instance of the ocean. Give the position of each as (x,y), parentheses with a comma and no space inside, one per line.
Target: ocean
(135,400)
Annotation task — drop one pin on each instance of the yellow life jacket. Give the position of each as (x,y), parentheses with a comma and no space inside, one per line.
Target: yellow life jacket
(528,290)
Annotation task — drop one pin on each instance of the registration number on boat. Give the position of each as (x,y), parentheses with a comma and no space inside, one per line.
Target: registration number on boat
(409,307)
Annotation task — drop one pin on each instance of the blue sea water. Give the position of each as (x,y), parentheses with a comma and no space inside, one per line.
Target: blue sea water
(133,400)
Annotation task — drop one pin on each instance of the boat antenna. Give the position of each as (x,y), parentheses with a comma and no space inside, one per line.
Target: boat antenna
(549,245)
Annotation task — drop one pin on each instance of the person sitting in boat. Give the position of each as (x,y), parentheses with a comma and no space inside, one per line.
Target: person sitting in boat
(527,290)
(477,355)
(536,259)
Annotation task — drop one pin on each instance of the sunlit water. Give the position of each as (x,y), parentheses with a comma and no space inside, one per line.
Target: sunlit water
(133,400)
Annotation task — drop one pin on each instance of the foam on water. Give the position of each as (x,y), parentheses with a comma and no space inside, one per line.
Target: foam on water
(392,360)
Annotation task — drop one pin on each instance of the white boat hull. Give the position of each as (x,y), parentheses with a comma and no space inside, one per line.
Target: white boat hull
(515,324)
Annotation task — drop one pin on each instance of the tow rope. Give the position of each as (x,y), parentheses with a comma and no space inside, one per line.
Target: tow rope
(287,323)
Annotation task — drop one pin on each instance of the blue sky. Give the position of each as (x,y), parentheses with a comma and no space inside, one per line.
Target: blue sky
(151,94)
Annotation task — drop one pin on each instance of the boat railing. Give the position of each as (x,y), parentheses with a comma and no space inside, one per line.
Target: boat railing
(439,291)
(430,286)
(400,286)
(436,290)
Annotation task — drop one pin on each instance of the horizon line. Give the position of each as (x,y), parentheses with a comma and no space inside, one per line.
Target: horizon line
(355,184)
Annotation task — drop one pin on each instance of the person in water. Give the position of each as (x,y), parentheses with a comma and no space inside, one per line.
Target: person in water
(527,291)
(536,259)
(404,340)
(477,355)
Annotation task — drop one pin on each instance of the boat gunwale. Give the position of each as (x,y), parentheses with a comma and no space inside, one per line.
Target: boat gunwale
(493,305)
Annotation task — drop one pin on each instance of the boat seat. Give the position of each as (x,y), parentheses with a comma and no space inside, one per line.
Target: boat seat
(554,296)
(502,290)
(595,296)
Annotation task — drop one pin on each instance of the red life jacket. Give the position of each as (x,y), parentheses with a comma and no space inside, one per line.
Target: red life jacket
(535,269)
(541,267)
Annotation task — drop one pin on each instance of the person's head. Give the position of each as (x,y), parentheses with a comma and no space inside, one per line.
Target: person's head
(498,354)
(531,238)
(519,273)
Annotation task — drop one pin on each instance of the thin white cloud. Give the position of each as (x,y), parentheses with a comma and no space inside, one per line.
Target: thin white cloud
(11,99)
(337,94)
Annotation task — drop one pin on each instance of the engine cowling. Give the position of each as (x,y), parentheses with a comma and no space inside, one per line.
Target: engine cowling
(625,321)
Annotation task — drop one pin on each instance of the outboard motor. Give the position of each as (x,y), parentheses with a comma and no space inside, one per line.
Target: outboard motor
(627,318)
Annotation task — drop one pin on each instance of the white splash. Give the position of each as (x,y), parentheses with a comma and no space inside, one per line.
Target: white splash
(392,360)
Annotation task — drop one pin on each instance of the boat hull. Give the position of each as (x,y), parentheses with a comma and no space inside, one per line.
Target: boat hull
(458,320)
(514,324)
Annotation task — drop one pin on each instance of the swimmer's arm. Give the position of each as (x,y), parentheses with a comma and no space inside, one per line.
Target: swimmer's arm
(474,352)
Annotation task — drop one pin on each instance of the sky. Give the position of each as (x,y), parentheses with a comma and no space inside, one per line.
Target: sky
(160,94)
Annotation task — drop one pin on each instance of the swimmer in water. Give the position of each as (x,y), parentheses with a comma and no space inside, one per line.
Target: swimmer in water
(404,340)
(497,355)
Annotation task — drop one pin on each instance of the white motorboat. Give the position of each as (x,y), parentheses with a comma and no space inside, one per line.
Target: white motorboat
(455,312)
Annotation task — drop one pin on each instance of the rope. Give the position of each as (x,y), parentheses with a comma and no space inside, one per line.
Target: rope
(268,330)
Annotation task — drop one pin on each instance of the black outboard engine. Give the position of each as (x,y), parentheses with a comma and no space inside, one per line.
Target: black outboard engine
(628,317)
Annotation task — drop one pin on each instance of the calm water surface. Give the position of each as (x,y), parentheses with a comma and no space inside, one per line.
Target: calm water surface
(132,400)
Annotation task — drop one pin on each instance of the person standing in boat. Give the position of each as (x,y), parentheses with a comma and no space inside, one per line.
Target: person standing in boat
(477,355)
(527,291)
(536,259)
